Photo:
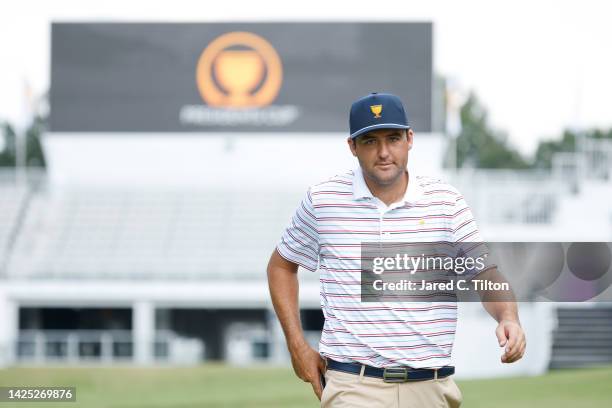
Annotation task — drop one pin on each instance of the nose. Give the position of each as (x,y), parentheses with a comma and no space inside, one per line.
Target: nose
(383,150)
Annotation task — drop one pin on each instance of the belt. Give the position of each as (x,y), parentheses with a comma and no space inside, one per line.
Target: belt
(392,374)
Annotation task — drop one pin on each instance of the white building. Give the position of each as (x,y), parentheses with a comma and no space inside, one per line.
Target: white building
(155,250)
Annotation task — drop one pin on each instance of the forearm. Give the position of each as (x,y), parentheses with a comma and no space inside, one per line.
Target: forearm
(502,311)
(501,305)
(284,291)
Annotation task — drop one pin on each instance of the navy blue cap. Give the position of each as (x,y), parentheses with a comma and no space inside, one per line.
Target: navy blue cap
(377,111)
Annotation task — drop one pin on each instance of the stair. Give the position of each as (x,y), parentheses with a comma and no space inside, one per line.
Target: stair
(583,337)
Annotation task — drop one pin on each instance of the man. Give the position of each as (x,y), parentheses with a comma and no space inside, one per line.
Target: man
(377,354)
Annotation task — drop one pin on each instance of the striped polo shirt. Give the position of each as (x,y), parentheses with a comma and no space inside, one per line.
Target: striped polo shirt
(326,232)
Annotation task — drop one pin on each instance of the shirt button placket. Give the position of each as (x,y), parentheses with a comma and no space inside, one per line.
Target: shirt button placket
(384,235)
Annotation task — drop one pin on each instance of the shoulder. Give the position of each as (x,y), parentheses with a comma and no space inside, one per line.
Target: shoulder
(339,184)
(438,188)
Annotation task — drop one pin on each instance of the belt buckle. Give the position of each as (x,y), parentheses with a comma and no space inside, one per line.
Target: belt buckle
(395,375)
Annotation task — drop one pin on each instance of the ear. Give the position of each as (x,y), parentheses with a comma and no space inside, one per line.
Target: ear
(410,137)
(352,145)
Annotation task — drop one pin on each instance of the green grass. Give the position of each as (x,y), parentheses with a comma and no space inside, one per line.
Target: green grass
(222,386)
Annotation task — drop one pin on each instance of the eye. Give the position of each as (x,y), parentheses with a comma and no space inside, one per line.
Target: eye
(395,138)
(368,141)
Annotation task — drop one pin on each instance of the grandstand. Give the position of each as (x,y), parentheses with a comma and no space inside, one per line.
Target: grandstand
(176,235)
(542,205)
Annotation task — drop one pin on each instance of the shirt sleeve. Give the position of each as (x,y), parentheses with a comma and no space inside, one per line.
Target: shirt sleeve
(468,241)
(300,241)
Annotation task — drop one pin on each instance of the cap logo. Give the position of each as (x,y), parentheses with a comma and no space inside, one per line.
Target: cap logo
(376,110)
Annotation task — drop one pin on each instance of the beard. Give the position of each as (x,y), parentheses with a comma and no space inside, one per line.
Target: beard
(384,176)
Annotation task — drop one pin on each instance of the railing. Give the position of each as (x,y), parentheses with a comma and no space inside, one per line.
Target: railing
(510,196)
(100,346)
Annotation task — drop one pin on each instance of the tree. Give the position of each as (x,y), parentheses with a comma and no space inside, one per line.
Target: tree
(477,145)
(567,143)
(34,152)
(546,149)
(7,156)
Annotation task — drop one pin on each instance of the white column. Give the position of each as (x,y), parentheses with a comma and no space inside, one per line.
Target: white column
(72,346)
(9,329)
(143,331)
(39,347)
(106,347)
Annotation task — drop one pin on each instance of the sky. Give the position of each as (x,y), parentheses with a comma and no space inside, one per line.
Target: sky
(537,66)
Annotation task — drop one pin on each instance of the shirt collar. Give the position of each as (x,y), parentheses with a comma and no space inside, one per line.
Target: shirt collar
(361,190)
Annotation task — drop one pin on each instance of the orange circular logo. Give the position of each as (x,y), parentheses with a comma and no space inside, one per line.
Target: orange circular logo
(239,70)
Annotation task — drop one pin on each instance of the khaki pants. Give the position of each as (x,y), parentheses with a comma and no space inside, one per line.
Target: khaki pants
(357,391)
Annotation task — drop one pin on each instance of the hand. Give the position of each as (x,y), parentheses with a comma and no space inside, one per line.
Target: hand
(511,335)
(309,366)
